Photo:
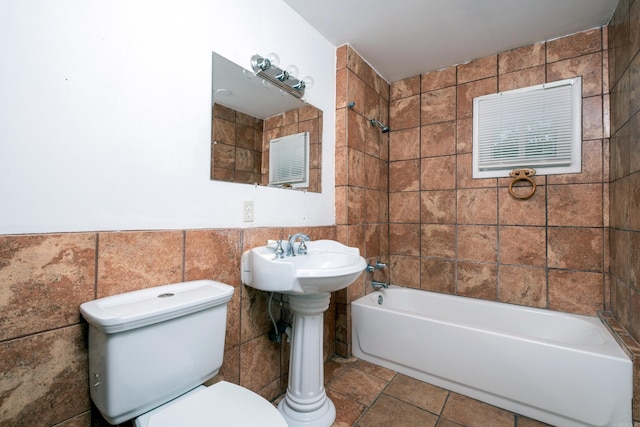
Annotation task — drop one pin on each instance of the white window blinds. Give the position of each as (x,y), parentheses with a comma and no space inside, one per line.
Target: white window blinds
(537,127)
(289,160)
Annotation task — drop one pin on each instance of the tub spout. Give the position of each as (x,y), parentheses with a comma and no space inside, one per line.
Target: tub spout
(378,285)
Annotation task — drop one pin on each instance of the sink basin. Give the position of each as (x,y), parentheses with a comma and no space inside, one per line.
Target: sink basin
(328,266)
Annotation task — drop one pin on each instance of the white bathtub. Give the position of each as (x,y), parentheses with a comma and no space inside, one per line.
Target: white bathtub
(559,368)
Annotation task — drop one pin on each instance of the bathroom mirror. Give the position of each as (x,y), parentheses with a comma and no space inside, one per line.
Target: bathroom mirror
(246,114)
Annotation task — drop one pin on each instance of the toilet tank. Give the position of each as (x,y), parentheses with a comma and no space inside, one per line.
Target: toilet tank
(149,346)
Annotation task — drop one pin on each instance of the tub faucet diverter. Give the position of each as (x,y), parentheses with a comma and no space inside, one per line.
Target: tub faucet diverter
(375,284)
(379,266)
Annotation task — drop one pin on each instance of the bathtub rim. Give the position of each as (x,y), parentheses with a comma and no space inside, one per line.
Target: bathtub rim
(622,369)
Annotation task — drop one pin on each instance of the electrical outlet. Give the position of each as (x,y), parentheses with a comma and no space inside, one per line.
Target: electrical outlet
(247,211)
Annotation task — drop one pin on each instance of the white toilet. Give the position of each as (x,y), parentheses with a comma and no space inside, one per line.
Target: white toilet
(151,350)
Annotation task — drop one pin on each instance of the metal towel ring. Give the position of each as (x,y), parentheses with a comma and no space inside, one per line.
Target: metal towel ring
(522,175)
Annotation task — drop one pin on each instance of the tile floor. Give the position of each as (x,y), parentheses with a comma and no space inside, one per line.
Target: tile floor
(369,395)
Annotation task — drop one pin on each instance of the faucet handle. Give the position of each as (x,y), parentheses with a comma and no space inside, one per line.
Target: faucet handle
(302,249)
(279,250)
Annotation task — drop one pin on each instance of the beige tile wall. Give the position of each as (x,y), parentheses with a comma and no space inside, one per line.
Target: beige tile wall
(362,170)
(44,279)
(624,248)
(451,233)
(624,67)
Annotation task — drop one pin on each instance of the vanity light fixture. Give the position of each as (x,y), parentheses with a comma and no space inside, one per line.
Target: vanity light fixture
(287,79)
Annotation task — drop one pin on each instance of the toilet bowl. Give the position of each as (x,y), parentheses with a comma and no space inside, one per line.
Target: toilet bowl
(151,350)
(222,404)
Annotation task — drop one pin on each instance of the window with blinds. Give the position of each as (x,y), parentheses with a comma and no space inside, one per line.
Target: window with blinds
(289,160)
(537,127)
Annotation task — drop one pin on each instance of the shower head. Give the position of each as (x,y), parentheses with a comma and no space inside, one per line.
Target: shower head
(381,125)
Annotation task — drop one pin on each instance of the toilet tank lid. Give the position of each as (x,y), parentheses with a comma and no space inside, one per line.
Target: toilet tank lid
(143,307)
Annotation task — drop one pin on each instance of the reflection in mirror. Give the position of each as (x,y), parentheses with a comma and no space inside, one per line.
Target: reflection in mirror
(247,114)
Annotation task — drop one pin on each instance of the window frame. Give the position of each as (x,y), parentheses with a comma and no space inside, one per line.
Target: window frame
(575,165)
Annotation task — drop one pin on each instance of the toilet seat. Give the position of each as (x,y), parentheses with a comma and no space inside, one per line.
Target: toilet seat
(222,404)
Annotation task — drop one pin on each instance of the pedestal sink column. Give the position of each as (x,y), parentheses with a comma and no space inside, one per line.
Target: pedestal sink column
(306,403)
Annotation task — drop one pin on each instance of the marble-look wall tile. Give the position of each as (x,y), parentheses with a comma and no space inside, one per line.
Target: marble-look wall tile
(522,78)
(43,354)
(477,206)
(213,254)
(405,88)
(260,362)
(438,173)
(128,261)
(438,207)
(404,207)
(438,139)
(439,79)
(522,58)
(404,113)
(477,280)
(576,248)
(477,243)
(577,205)
(624,179)
(438,275)
(523,285)
(404,144)
(577,44)
(44,378)
(437,106)
(575,291)
(511,212)
(403,270)
(404,175)
(404,239)
(478,69)
(523,246)
(438,240)
(43,281)
(490,237)
(587,66)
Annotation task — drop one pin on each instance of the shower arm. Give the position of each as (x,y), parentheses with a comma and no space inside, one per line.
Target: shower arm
(381,125)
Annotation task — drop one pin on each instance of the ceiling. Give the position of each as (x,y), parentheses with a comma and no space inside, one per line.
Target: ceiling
(404,38)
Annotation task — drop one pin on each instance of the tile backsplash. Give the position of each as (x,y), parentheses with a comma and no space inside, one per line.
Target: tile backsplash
(45,278)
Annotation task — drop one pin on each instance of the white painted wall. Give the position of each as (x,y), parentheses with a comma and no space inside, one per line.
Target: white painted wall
(105,113)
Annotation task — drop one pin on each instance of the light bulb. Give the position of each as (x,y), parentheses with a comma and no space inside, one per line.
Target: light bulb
(292,71)
(308,82)
(273,59)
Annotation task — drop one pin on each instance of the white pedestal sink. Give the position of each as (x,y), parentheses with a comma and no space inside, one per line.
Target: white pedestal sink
(308,280)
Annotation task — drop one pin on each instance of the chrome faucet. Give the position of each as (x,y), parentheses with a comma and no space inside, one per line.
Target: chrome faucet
(376,285)
(279,250)
(302,249)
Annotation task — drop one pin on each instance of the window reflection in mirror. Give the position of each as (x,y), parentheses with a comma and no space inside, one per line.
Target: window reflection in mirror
(246,115)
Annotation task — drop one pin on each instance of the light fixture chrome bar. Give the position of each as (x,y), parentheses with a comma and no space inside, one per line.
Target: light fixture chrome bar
(282,79)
